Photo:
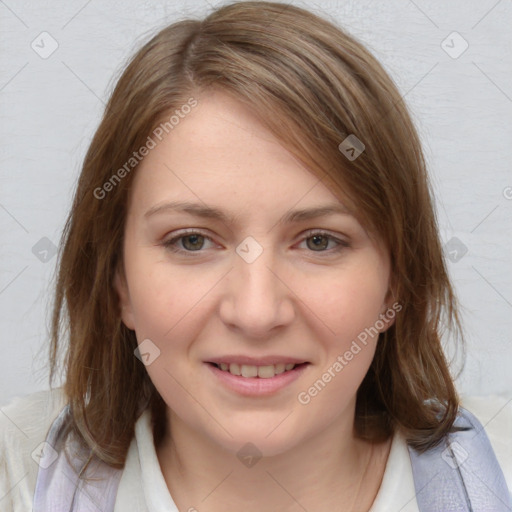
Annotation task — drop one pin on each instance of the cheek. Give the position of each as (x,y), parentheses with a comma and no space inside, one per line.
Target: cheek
(161,295)
(168,306)
(347,301)
(349,305)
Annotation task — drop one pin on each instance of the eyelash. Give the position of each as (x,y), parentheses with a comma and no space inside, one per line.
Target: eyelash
(171,243)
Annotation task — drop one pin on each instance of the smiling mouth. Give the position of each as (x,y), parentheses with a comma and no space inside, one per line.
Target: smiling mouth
(252,371)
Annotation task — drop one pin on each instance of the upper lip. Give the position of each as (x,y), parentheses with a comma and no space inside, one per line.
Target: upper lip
(255,361)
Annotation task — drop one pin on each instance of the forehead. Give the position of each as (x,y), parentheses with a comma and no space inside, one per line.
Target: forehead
(221,154)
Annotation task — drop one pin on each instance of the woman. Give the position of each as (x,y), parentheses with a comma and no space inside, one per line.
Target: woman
(254,289)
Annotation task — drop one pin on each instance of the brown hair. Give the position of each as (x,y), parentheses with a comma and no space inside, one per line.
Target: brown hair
(312,85)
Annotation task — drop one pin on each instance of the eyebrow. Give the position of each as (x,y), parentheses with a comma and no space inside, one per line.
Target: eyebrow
(208,212)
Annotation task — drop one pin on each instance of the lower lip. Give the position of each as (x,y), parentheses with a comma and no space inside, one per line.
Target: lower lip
(256,386)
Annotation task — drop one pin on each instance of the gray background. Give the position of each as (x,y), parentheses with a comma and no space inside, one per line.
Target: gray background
(461,102)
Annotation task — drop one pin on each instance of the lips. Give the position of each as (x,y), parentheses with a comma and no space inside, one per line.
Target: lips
(251,385)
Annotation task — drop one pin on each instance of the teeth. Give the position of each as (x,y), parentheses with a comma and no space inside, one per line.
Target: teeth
(249,371)
(234,369)
(263,372)
(266,372)
(279,368)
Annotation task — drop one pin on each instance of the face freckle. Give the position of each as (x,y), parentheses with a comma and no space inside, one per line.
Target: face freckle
(255,287)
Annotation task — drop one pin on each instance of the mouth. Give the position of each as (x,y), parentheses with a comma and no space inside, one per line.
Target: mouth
(267,378)
(249,371)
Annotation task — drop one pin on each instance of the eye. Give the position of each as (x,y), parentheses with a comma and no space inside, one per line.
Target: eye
(191,241)
(318,241)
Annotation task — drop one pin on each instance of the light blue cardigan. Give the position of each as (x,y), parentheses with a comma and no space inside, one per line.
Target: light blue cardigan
(461,474)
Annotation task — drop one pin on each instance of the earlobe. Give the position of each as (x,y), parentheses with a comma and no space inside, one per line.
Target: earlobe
(387,318)
(125,306)
(390,309)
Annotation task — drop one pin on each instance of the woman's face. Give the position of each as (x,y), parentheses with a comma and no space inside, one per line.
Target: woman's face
(254,285)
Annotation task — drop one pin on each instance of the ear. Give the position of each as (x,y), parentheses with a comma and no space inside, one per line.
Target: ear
(125,305)
(390,309)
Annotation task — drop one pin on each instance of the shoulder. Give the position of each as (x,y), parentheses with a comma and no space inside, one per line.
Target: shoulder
(494,412)
(24,424)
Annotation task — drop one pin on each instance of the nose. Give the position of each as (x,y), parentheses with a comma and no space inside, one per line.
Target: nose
(257,298)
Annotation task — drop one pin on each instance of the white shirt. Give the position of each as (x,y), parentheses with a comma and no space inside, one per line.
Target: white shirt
(25,421)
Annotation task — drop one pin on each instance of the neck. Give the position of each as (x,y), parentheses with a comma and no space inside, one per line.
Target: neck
(328,469)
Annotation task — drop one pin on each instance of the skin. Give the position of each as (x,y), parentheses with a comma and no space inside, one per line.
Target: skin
(292,300)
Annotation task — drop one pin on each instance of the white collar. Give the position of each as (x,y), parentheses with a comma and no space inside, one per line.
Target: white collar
(143,487)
